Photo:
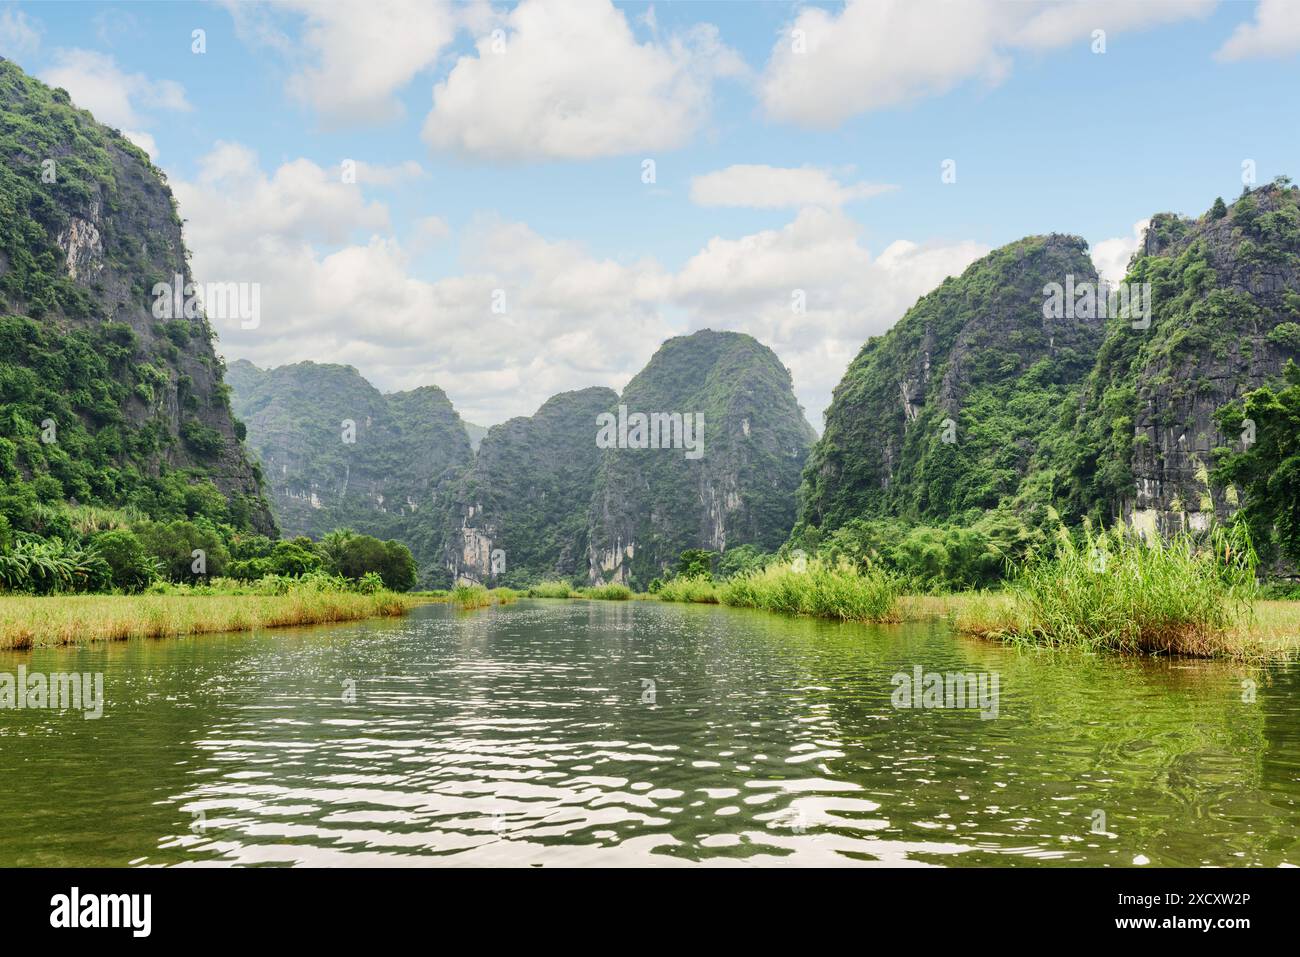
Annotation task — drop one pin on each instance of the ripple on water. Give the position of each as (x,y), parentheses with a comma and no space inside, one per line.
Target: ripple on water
(552,733)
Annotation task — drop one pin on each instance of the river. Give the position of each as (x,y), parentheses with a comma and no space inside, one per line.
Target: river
(637,733)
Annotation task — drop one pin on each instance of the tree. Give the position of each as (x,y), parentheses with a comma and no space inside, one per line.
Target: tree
(344,552)
(188,551)
(293,559)
(1219,209)
(696,563)
(1267,471)
(130,567)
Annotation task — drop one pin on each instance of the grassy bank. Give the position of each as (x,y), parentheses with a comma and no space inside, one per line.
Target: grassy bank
(27,622)
(1108,592)
(1119,592)
(818,589)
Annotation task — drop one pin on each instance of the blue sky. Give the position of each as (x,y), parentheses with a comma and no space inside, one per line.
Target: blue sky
(527,175)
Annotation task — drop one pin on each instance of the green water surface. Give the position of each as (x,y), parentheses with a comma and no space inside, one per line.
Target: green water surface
(634,733)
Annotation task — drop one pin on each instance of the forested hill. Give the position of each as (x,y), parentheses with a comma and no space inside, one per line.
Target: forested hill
(526,498)
(737,488)
(941,416)
(339,453)
(101,402)
(979,400)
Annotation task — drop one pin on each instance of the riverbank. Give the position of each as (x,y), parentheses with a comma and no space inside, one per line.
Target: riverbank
(34,622)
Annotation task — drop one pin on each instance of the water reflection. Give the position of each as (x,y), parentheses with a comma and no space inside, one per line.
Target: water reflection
(550,733)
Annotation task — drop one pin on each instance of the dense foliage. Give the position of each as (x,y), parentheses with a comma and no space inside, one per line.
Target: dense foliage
(338,453)
(1266,472)
(650,504)
(528,493)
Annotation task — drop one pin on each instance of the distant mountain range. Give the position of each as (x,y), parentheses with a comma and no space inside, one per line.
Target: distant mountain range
(544,497)
(1015,386)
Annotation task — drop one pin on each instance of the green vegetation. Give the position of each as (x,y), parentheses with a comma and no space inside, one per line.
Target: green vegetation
(609,592)
(528,492)
(338,453)
(755,439)
(819,589)
(1267,471)
(27,622)
(470,596)
(552,589)
(699,590)
(1120,592)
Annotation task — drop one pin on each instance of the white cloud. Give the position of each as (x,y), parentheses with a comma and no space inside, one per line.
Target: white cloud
(875,54)
(373,174)
(118,99)
(567,79)
(19,34)
(767,187)
(1111,256)
(571,318)
(1275,32)
(237,208)
(429,231)
(752,285)
(364,52)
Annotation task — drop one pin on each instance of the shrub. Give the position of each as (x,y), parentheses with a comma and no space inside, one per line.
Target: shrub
(130,568)
(699,590)
(1119,591)
(819,589)
(608,592)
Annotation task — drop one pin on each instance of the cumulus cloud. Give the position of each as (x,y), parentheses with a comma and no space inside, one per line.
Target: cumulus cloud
(363,53)
(376,174)
(234,204)
(873,54)
(1275,32)
(767,187)
(567,79)
(19,34)
(813,292)
(1111,256)
(524,316)
(116,98)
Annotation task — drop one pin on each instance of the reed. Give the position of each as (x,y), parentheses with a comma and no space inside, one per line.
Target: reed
(1118,591)
(32,622)
(819,589)
(699,590)
(471,596)
(608,592)
(553,589)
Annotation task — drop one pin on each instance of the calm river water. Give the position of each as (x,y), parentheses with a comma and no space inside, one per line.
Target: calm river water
(635,733)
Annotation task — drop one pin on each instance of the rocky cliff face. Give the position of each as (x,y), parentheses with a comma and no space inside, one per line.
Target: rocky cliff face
(88,228)
(520,514)
(1225,293)
(713,464)
(945,413)
(337,452)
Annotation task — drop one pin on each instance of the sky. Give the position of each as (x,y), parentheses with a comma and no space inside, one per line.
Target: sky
(514,200)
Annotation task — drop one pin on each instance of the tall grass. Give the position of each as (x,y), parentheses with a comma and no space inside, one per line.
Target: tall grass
(699,590)
(1116,590)
(553,589)
(27,622)
(608,592)
(470,596)
(820,589)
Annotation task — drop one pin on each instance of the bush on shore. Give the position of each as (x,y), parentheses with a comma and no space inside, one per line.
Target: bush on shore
(1122,592)
(819,589)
